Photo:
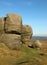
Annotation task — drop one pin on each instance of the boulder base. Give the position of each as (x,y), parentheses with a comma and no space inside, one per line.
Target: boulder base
(13,41)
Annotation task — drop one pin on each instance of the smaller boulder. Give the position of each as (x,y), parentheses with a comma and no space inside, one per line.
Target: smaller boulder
(36,44)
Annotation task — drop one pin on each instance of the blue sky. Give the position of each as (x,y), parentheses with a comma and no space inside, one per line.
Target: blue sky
(33,12)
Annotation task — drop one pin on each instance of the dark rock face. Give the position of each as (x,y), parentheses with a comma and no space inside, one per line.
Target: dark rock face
(13,33)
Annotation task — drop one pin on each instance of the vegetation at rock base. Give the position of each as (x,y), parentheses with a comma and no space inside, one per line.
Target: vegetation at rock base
(25,56)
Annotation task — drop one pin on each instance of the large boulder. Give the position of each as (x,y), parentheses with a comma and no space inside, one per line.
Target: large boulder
(13,22)
(13,41)
(26,33)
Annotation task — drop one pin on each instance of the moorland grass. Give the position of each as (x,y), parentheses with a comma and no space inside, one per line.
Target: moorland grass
(25,56)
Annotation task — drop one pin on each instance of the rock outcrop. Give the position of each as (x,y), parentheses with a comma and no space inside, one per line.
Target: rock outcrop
(13,33)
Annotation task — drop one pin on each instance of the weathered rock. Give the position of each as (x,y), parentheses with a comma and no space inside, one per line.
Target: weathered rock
(13,41)
(1,27)
(26,29)
(37,44)
(13,33)
(1,24)
(26,33)
(23,29)
(28,42)
(13,22)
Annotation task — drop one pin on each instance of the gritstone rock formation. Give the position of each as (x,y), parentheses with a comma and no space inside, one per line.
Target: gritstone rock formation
(13,33)
(26,34)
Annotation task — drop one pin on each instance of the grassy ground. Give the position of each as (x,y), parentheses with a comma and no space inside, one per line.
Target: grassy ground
(44,43)
(25,56)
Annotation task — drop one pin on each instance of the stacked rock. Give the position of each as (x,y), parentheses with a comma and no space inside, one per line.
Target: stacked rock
(13,33)
(26,34)
(11,25)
